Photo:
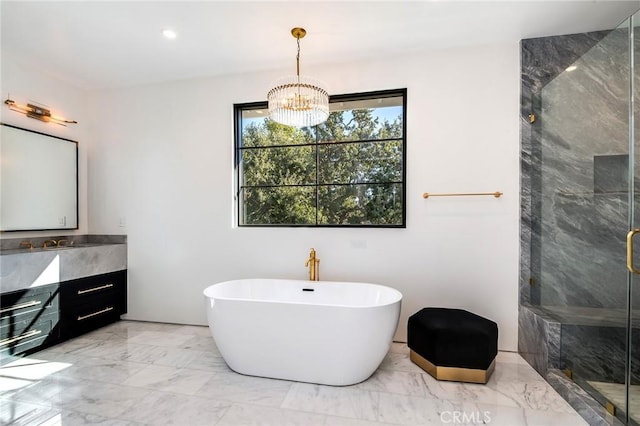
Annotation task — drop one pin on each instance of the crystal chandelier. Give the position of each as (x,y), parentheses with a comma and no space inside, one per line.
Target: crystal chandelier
(298,101)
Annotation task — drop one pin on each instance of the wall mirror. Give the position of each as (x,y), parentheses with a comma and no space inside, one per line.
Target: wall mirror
(38,181)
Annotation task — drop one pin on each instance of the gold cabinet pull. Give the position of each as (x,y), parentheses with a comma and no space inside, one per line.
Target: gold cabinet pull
(22,336)
(104,311)
(630,236)
(89,290)
(21,306)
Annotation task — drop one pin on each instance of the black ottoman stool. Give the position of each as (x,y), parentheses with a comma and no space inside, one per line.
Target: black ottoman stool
(453,344)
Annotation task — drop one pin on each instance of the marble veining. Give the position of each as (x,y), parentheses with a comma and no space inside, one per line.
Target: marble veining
(20,269)
(574,212)
(83,381)
(538,339)
(541,61)
(75,239)
(573,200)
(581,117)
(616,393)
(580,400)
(599,353)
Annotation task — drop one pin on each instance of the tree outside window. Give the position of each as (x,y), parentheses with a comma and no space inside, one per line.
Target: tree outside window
(347,171)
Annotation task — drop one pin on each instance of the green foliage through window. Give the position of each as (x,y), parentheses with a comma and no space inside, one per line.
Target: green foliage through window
(347,171)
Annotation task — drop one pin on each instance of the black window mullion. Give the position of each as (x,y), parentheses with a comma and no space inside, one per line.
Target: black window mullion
(306,185)
(394,216)
(317,189)
(284,185)
(316,143)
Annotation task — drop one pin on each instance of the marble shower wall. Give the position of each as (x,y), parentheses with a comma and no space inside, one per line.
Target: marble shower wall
(574,170)
(583,207)
(542,60)
(574,209)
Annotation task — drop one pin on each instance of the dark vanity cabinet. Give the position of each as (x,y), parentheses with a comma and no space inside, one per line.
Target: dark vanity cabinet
(92,302)
(35,318)
(29,319)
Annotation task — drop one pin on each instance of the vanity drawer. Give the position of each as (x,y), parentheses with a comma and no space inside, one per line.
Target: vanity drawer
(28,319)
(29,303)
(84,318)
(92,289)
(25,335)
(17,326)
(92,302)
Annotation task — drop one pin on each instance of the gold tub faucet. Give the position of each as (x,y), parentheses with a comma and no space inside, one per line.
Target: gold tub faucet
(314,266)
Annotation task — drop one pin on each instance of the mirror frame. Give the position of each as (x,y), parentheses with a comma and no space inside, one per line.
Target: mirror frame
(77,201)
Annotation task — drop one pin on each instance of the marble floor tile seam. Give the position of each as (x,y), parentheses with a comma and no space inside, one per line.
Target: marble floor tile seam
(497,417)
(455,395)
(114,359)
(193,343)
(401,409)
(48,404)
(32,394)
(133,420)
(374,394)
(425,379)
(327,419)
(12,399)
(118,350)
(57,355)
(514,377)
(143,326)
(458,395)
(97,378)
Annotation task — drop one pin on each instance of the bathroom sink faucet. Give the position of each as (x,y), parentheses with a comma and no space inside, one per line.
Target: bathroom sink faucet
(27,244)
(47,242)
(314,266)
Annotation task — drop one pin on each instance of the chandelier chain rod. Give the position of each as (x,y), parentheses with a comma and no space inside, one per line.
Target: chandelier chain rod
(298,59)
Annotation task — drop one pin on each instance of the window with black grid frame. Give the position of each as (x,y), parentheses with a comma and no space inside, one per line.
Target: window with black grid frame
(346,172)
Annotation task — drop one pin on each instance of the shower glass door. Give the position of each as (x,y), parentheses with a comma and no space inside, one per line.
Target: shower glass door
(633,335)
(586,208)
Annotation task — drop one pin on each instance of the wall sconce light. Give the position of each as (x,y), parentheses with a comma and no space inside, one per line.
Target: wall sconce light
(37,112)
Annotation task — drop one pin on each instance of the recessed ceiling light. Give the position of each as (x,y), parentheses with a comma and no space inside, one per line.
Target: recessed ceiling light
(572,68)
(170,34)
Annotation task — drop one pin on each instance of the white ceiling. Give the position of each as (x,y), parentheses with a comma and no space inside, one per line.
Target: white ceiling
(108,44)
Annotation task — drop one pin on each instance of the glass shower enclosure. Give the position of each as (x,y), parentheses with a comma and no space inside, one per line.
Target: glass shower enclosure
(586,198)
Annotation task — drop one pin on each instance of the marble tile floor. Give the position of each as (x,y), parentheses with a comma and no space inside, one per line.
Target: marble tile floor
(140,373)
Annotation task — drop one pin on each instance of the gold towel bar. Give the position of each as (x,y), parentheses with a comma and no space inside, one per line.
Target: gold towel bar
(496,194)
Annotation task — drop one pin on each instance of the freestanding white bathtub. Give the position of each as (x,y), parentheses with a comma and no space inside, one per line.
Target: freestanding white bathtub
(333,333)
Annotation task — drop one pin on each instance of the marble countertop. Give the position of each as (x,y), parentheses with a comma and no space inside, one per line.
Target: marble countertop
(26,268)
(24,250)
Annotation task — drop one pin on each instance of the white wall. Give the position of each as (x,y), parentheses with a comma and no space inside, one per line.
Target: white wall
(162,164)
(26,85)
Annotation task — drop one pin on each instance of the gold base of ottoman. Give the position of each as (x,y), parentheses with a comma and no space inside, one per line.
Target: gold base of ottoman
(468,375)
